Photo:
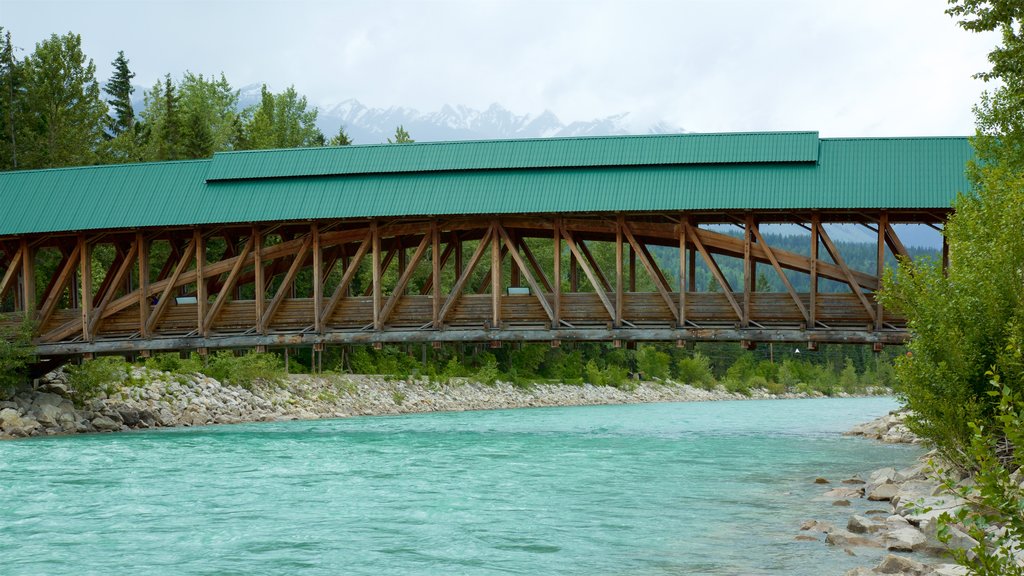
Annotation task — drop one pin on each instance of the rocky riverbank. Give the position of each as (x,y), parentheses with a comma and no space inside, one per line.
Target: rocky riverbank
(153,399)
(888,522)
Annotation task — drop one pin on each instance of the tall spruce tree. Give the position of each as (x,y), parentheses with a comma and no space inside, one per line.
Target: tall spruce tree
(11,102)
(120,89)
(63,101)
(282,120)
(401,137)
(163,123)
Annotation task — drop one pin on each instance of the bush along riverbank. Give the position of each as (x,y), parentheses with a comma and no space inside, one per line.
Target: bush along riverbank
(108,395)
(906,519)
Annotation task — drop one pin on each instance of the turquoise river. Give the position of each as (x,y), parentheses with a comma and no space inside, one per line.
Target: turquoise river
(690,488)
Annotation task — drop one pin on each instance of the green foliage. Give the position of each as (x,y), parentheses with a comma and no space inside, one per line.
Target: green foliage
(488,372)
(995,516)
(93,378)
(282,120)
(401,137)
(15,354)
(245,370)
(120,89)
(608,375)
(652,363)
(696,371)
(341,138)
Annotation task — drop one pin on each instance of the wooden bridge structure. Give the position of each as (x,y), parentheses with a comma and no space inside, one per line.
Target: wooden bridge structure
(493,241)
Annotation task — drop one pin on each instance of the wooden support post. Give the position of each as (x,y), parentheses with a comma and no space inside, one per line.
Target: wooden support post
(748,270)
(782,274)
(619,284)
(691,276)
(114,280)
(850,279)
(716,272)
(460,283)
(556,274)
(575,248)
(376,287)
(574,282)
(143,249)
(681,231)
(495,278)
(458,253)
(403,281)
(259,282)
(85,256)
(28,279)
(229,283)
(346,279)
(632,270)
(883,223)
(595,268)
(201,293)
(945,253)
(60,282)
(541,276)
(13,267)
(318,279)
(171,284)
(519,264)
(435,274)
(813,312)
(652,270)
(513,271)
(286,283)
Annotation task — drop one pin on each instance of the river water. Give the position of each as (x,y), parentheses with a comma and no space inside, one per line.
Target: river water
(656,489)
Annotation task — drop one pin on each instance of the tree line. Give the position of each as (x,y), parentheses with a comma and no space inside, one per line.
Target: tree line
(54,112)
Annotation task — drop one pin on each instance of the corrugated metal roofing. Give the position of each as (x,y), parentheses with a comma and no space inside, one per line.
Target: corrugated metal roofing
(849,174)
(650,150)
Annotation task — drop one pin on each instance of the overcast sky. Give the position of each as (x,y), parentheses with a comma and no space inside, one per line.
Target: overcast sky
(843,67)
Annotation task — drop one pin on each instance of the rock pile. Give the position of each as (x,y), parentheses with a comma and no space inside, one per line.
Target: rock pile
(152,399)
(888,428)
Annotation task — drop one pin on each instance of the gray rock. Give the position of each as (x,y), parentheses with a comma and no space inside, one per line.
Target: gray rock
(47,399)
(862,525)
(46,414)
(840,537)
(949,570)
(907,539)
(105,424)
(860,572)
(882,492)
(894,564)
(844,492)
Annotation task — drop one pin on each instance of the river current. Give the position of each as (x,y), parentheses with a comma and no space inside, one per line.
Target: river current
(656,489)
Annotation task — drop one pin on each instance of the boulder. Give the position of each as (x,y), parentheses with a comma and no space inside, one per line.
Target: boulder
(844,493)
(46,414)
(862,525)
(912,472)
(105,424)
(949,570)
(909,493)
(14,424)
(907,539)
(894,564)
(840,537)
(958,538)
(882,475)
(860,572)
(820,480)
(882,492)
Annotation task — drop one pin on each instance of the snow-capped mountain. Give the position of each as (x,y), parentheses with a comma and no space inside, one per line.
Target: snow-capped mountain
(366,125)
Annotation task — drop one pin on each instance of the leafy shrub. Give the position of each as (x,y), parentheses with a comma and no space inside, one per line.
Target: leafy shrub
(15,354)
(775,388)
(653,363)
(488,372)
(736,386)
(93,378)
(245,370)
(695,371)
(757,382)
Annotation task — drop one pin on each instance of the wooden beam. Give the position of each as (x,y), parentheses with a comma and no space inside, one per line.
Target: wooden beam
(813,312)
(649,265)
(403,281)
(116,280)
(28,279)
(883,223)
(620,222)
(199,241)
(596,269)
(782,275)
(838,258)
(748,270)
(446,254)
(229,284)
(66,272)
(715,271)
(682,269)
(526,274)
(350,272)
(169,285)
(85,258)
(318,278)
(654,265)
(11,273)
(375,286)
(495,276)
(556,274)
(460,283)
(286,283)
(537,270)
(259,281)
(435,273)
(895,244)
(575,249)
(143,290)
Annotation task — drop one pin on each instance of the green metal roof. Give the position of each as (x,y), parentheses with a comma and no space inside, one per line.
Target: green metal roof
(650,150)
(849,174)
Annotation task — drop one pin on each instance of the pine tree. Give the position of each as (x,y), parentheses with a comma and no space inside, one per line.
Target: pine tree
(341,138)
(401,137)
(282,120)
(120,88)
(11,102)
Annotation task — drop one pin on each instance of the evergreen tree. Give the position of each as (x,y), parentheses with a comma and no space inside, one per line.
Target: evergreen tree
(209,109)
(341,138)
(120,89)
(11,102)
(163,122)
(401,137)
(63,101)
